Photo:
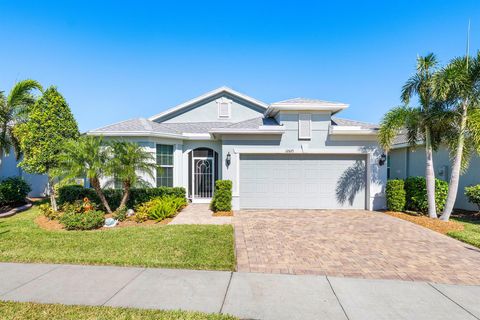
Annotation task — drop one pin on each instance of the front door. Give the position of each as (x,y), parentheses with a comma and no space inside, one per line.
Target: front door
(203,179)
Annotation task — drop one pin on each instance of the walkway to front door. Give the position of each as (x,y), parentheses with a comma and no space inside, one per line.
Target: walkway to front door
(350,243)
(199,213)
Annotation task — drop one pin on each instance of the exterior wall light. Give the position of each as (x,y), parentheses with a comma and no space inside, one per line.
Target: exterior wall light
(228,159)
(382,159)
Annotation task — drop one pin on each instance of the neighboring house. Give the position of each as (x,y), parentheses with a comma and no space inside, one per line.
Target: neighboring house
(405,161)
(9,168)
(289,154)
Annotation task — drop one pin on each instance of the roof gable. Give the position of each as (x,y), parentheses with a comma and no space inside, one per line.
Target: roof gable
(186,106)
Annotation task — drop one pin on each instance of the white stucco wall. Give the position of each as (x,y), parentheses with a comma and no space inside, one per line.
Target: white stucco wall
(406,162)
(321,142)
(207,111)
(9,168)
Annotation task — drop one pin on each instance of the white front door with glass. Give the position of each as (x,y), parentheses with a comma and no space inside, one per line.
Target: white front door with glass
(203,175)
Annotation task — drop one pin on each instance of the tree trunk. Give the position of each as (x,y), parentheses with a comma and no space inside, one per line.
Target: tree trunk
(96,186)
(126,194)
(51,193)
(430,176)
(457,165)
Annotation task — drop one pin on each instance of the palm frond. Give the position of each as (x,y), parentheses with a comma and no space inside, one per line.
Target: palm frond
(391,124)
(21,91)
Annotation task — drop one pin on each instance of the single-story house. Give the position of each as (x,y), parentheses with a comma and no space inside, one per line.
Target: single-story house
(405,161)
(9,168)
(290,154)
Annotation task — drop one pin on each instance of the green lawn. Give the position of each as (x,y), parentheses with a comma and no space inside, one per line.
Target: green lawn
(471,233)
(36,311)
(176,246)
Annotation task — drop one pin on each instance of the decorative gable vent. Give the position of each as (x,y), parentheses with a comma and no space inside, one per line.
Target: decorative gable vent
(304,126)
(224,108)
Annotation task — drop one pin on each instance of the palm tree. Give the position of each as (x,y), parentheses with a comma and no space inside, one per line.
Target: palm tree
(419,122)
(86,157)
(459,84)
(128,162)
(13,110)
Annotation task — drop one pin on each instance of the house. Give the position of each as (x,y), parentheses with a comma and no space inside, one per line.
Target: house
(405,161)
(9,168)
(289,154)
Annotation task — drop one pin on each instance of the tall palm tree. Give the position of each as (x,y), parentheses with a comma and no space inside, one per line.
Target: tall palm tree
(459,84)
(418,121)
(13,110)
(86,157)
(129,161)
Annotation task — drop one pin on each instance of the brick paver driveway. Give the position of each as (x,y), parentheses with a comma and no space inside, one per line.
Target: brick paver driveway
(352,244)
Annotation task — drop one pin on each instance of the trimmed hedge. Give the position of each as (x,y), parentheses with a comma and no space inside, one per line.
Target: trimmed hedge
(73,193)
(222,198)
(396,196)
(13,191)
(473,194)
(416,194)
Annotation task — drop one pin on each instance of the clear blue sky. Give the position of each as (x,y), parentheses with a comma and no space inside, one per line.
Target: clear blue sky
(119,60)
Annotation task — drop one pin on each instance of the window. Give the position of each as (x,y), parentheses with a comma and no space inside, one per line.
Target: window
(165,161)
(224,108)
(304,126)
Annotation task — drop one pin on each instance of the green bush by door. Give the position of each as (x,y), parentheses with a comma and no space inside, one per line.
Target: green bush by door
(411,194)
(222,198)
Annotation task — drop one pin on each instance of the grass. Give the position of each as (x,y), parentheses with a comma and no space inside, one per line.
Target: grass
(470,233)
(205,247)
(36,311)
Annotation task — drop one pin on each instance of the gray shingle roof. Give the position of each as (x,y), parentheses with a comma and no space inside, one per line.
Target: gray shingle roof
(137,125)
(306,100)
(346,122)
(144,125)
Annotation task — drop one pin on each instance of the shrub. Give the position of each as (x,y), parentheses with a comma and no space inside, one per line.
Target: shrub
(137,196)
(120,214)
(222,198)
(473,194)
(416,194)
(161,208)
(48,212)
(13,191)
(72,193)
(140,216)
(83,221)
(395,195)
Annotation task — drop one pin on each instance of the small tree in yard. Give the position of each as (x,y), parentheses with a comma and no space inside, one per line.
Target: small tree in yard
(128,161)
(43,136)
(418,122)
(86,157)
(459,85)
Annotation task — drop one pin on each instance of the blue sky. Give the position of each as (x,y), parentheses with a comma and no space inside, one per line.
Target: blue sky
(119,60)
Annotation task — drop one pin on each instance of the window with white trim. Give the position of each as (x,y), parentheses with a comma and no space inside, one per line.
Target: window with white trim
(304,126)
(224,108)
(165,162)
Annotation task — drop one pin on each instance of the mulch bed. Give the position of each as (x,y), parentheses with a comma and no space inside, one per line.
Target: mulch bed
(433,224)
(46,224)
(223,214)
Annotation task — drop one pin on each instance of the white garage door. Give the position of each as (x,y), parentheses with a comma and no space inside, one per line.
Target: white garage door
(302,181)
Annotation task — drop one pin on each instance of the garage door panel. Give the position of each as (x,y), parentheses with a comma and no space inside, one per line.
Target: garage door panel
(302,181)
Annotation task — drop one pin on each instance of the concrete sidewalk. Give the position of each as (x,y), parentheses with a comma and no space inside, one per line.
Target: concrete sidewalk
(246,295)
